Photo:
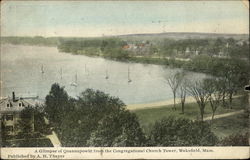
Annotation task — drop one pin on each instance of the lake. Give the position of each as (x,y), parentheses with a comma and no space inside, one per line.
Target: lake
(31,70)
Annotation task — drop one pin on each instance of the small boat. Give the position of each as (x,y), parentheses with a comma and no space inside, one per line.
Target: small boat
(74,83)
(61,72)
(107,76)
(42,70)
(86,70)
(129,80)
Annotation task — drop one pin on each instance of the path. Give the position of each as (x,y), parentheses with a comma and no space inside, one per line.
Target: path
(53,137)
(224,115)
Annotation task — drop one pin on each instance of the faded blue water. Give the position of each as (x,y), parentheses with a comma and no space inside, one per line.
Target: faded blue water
(21,72)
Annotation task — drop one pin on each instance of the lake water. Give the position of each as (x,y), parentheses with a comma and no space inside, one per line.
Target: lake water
(21,71)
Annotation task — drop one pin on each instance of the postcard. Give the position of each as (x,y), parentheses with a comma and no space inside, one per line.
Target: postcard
(124,79)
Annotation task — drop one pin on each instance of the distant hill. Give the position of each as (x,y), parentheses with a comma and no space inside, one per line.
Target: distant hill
(53,41)
(183,35)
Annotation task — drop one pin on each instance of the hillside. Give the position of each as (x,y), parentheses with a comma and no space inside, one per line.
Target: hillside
(183,35)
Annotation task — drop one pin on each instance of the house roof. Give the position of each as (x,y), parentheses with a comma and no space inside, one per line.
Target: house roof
(14,104)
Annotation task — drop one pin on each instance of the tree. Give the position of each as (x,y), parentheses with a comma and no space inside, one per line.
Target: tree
(26,123)
(31,125)
(215,93)
(57,104)
(224,89)
(218,45)
(235,77)
(4,135)
(100,120)
(32,121)
(174,81)
(182,93)
(234,73)
(39,122)
(91,107)
(118,130)
(231,85)
(182,132)
(199,91)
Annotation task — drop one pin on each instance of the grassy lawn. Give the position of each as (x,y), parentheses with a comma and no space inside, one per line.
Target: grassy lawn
(222,126)
(231,125)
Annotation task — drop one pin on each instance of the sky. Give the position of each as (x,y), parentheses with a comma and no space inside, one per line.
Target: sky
(104,18)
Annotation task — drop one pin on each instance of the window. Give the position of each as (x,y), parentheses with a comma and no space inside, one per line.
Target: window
(20,105)
(9,104)
(9,117)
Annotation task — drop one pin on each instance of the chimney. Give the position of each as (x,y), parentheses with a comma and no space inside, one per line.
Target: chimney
(13,96)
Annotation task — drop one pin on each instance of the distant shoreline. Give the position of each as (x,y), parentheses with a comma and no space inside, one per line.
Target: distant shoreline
(141,34)
(158,104)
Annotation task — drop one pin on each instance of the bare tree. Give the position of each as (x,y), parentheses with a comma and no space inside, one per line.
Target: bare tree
(234,76)
(199,91)
(182,93)
(215,92)
(224,90)
(174,82)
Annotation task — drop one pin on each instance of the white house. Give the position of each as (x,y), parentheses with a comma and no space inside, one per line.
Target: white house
(10,109)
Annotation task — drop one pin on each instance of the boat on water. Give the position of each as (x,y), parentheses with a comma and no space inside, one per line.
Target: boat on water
(61,73)
(129,79)
(107,76)
(42,69)
(86,70)
(75,82)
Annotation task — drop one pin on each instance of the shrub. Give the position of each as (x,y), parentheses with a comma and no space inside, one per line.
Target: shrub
(236,140)
(181,132)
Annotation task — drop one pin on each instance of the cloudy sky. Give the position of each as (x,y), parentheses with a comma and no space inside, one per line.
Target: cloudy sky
(90,19)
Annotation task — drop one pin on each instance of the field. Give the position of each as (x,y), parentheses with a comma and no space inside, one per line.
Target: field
(221,126)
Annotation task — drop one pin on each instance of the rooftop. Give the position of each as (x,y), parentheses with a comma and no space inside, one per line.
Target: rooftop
(16,104)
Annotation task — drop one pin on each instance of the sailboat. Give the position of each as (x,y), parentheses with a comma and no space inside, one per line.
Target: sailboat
(42,70)
(129,80)
(86,70)
(61,72)
(74,83)
(107,76)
